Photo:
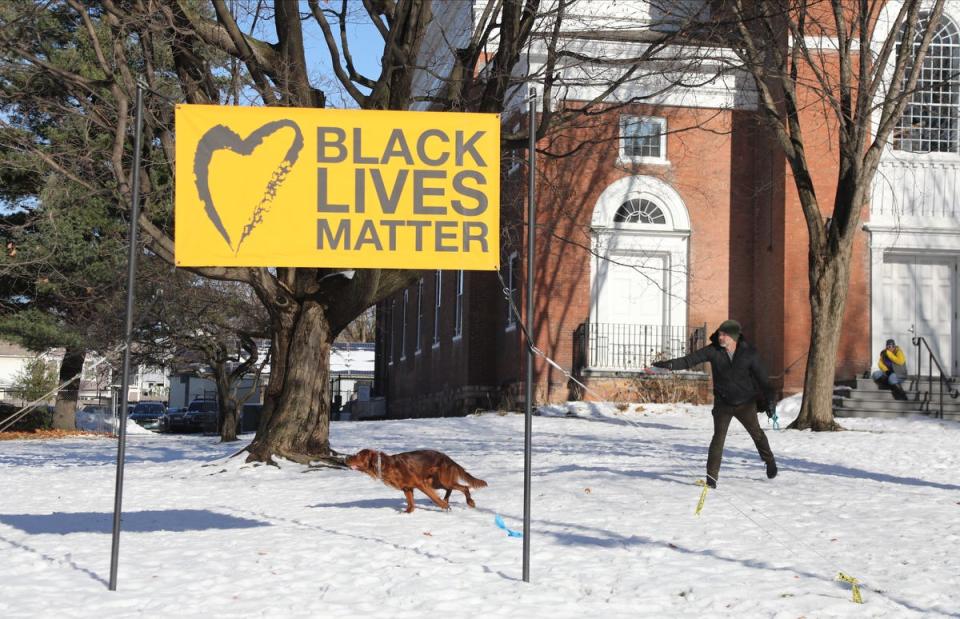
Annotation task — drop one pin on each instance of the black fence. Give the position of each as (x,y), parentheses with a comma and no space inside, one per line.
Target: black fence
(626,347)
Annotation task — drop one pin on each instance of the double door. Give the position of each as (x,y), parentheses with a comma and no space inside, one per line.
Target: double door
(919,297)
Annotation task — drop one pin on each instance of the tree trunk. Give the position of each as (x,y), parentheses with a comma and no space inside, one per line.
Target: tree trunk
(828,299)
(65,411)
(228,422)
(226,405)
(295,422)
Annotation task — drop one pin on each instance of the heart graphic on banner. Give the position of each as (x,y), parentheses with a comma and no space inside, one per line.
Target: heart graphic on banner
(222,137)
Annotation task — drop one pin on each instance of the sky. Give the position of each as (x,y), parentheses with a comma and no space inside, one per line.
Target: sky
(365,41)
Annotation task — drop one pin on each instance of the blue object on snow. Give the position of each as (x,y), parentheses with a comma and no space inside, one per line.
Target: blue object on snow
(510,532)
(776,421)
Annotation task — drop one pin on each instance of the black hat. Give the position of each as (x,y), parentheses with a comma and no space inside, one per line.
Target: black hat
(730,327)
(891,343)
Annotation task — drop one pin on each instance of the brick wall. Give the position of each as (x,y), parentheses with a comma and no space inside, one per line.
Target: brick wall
(747,260)
(721,223)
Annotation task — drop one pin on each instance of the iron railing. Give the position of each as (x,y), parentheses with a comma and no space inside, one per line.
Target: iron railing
(627,347)
(944,379)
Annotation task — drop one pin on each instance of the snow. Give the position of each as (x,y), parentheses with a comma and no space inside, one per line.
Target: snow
(105,423)
(613,529)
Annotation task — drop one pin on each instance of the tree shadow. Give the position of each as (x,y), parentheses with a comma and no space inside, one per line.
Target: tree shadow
(838,470)
(148,521)
(65,560)
(141,449)
(604,539)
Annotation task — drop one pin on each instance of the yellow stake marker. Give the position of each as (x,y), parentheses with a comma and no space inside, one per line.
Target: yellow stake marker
(854,583)
(703,496)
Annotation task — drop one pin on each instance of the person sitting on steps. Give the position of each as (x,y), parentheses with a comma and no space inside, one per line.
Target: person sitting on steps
(893,369)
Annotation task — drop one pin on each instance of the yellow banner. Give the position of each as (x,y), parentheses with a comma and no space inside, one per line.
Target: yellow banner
(270,186)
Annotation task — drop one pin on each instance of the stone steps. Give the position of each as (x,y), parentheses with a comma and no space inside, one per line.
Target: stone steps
(869,400)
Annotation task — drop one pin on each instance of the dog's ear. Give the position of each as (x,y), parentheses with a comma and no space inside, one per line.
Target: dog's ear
(361,457)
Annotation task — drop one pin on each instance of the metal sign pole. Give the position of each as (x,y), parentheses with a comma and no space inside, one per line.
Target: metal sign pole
(125,383)
(528,412)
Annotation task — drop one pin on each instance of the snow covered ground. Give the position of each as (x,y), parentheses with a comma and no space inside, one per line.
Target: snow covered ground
(613,531)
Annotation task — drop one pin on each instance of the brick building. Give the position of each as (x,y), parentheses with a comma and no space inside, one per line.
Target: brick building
(667,218)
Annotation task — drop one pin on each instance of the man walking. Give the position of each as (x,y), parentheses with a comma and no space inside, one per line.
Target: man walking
(738,374)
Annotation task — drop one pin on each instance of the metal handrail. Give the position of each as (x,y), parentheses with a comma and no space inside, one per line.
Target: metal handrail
(632,347)
(919,341)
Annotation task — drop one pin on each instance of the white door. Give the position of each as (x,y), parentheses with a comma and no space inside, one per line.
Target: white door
(632,289)
(631,311)
(919,298)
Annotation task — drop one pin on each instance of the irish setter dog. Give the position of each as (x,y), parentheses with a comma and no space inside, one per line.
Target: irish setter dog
(424,470)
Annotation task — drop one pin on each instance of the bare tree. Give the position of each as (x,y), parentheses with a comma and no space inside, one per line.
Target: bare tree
(214,325)
(362,328)
(850,57)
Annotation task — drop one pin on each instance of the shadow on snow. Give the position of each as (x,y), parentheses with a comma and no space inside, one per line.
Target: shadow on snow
(149,521)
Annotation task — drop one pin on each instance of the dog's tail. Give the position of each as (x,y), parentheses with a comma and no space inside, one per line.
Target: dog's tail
(472,481)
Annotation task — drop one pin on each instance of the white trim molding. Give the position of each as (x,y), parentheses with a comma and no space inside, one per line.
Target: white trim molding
(669,240)
(642,187)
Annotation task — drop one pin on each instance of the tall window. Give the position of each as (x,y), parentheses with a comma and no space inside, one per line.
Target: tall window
(643,139)
(436,309)
(391,331)
(511,279)
(929,123)
(458,318)
(419,313)
(639,211)
(403,321)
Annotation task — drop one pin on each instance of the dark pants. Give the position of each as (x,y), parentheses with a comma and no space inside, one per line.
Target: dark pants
(746,414)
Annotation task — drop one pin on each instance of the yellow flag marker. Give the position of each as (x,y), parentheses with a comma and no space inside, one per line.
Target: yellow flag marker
(854,583)
(703,496)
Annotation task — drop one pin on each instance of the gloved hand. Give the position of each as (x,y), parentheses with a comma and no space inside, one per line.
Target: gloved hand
(774,418)
(661,364)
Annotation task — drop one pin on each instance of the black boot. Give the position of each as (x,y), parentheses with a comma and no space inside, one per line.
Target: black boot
(898,392)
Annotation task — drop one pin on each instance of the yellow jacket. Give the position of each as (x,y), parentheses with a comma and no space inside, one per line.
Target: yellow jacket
(897,357)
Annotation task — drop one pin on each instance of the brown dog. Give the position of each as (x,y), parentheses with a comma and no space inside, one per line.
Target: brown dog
(424,470)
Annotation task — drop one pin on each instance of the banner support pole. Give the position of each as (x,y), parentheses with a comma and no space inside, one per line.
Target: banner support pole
(531,247)
(125,383)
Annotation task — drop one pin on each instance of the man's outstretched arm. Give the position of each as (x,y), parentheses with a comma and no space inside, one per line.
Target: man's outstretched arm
(685,363)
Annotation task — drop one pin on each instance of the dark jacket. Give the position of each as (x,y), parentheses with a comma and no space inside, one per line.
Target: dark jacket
(736,381)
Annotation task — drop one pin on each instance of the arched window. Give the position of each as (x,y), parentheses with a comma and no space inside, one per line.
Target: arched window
(639,211)
(930,120)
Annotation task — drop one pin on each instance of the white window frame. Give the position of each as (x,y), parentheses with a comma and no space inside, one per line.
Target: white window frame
(919,130)
(419,315)
(458,312)
(515,156)
(512,288)
(438,297)
(403,322)
(638,207)
(626,119)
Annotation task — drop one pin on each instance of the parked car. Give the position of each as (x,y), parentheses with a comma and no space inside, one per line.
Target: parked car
(94,418)
(174,420)
(202,416)
(148,414)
